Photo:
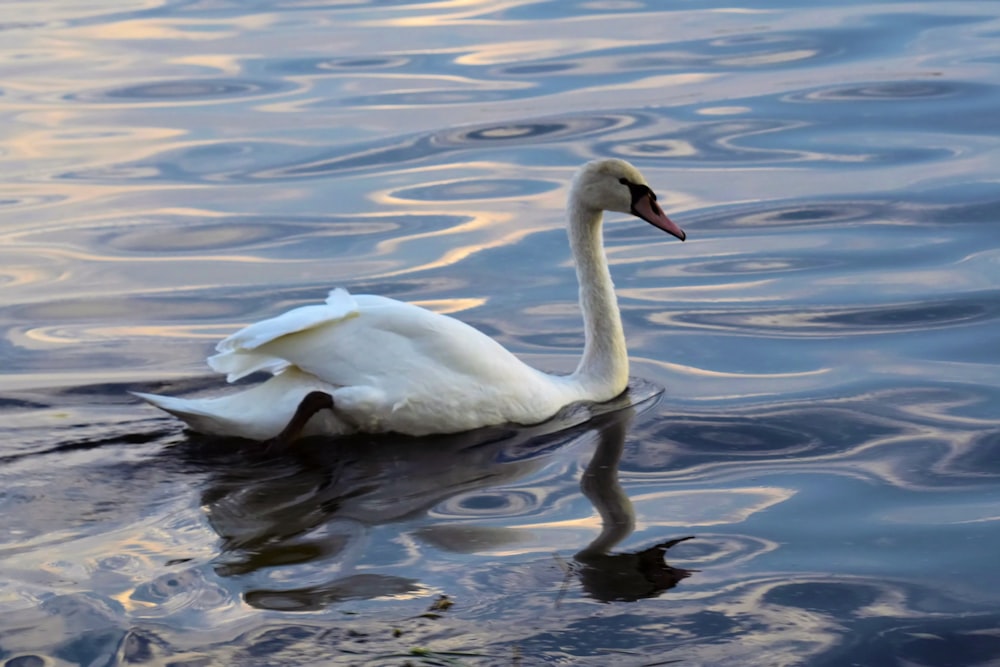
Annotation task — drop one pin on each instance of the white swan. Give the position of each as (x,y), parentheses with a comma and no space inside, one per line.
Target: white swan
(372,364)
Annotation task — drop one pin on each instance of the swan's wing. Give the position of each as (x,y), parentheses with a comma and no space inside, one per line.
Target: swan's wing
(238,356)
(406,351)
(392,365)
(339,305)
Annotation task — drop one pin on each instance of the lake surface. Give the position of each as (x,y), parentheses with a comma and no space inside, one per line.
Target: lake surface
(817,392)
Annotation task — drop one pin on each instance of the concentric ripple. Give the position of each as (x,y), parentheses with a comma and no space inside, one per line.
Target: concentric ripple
(184,90)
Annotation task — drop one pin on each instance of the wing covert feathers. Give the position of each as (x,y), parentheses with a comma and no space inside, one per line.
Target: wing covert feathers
(238,356)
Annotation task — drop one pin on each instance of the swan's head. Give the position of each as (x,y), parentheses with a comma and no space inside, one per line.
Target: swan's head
(615,185)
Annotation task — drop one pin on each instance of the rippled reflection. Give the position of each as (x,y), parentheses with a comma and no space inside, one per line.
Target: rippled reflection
(417,149)
(320,509)
(611,576)
(194,89)
(337,525)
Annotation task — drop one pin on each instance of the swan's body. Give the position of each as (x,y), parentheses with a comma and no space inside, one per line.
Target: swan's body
(391,366)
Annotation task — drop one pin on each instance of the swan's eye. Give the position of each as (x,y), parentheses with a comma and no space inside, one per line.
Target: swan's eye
(624,181)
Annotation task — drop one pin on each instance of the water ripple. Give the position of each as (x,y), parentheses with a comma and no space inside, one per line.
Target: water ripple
(884,318)
(500,503)
(468,189)
(883,91)
(184,90)
(418,149)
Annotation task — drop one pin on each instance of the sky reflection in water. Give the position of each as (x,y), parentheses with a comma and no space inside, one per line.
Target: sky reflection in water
(827,338)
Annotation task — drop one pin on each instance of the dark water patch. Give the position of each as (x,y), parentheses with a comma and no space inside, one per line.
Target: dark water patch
(476,189)
(912,316)
(28,660)
(28,201)
(220,161)
(831,597)
(426,98)
(306,66)
(972,201)
(778,141)
(784,215)
(930,640)
(749,49)
(117,173)
(314,598)
(398,64)
(170,235)
(420,148)
(118,307)
(185,90)
(979,459)
(923,437)
(7,26)
(605,639)
(966,203)
(712,141)
(894,109)
(511,133)
(752,47)
(889,91)
(537,69)
(91,626)
(243,558)
(886,318)
(683,442)
(356,158)
(166,235)
(216,162)
(82,438)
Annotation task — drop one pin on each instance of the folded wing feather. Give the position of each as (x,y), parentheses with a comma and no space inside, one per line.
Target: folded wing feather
(237,357)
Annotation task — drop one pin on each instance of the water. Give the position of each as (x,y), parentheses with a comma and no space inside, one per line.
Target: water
(826,341)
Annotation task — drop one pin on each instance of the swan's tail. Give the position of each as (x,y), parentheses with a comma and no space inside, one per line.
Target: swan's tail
(192,412)
(257,413)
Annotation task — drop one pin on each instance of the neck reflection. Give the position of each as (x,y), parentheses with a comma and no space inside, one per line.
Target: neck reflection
(624,576)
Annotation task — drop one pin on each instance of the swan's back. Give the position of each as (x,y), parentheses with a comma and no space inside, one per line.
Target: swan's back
(410,369)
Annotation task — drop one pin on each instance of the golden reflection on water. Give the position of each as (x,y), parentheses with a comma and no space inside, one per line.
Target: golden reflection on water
(699,293)
(658,82)
(451,306)
(465,12)
(770,58)
(723,110)
(706,507)
(512,52)
(174,29)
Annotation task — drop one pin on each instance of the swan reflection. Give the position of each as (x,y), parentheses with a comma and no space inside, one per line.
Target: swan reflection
(316,509)
(626,576)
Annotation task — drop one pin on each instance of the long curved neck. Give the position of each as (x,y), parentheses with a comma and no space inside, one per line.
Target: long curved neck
(603,370)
